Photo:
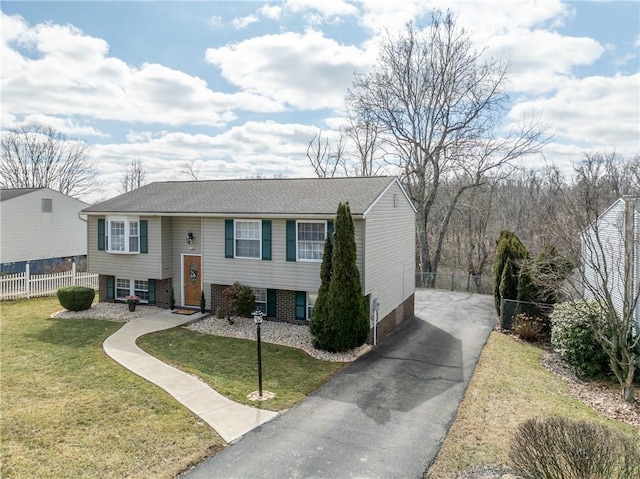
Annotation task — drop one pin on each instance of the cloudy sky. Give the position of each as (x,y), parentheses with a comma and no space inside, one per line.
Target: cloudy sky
(240,87)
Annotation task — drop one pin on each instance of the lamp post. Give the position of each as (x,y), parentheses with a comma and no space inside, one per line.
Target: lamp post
(257,318)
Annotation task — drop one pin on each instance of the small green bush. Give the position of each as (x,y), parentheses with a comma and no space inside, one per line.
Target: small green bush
(76,298)
(573,337)
(241,299)
(558,447)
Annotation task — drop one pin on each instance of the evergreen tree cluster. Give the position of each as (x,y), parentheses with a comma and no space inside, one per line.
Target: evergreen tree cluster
(534,283)
(340,320)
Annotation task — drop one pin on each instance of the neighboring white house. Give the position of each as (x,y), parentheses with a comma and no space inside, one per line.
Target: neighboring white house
(611,255)
(40,226)
(199,237)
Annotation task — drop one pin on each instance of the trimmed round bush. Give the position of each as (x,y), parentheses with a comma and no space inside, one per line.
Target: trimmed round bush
(573,337)
(76,298)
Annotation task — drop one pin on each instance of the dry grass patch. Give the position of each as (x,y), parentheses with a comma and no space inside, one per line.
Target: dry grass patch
(509,386)
(70,411)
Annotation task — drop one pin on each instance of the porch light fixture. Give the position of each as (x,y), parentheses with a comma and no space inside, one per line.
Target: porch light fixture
(257,318)
(189,237)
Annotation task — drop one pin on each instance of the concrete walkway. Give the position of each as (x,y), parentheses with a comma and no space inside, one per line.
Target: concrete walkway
(230,419)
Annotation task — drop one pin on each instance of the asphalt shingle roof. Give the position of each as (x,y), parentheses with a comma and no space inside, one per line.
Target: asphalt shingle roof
(261,197)
(14,192)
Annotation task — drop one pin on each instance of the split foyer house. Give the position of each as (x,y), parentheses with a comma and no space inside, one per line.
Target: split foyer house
(268,234)
(40,226)
(611,256)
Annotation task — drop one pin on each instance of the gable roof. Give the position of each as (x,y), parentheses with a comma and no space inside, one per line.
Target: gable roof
(14,192)
(297,196)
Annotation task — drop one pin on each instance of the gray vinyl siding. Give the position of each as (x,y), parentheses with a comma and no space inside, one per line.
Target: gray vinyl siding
(28,234)
(167,247)
(278,273)
(603,256)
(390,251)
(131,266)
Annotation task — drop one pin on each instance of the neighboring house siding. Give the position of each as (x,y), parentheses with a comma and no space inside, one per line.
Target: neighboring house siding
(390,251)
(26,233)
(603,255)
(277,273)
(131,266)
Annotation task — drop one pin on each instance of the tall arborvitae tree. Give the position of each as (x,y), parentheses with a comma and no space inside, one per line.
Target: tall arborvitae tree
(320,308)
(510,252)
(346,324)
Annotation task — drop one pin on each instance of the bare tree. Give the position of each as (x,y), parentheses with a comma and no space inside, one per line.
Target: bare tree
(440,106)
(324,159)
(38,156)
(134,176)
(604,246)
(189,168)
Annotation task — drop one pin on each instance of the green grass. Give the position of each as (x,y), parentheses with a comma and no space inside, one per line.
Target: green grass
(509,386)
(68,410)
(229,365)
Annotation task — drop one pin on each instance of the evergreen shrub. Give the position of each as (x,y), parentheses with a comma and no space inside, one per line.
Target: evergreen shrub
(575,340)
(241,299)
(76,298)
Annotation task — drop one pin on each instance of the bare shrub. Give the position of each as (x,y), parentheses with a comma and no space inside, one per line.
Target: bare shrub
(530,328)
(557,447)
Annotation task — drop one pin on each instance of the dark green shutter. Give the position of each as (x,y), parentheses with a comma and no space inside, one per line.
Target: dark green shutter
(101,244)
(151,286)
(266,239)
(301,305)
(228,238)
(291,240)
(271,303)
(111,287)
(330,231)
(144,241)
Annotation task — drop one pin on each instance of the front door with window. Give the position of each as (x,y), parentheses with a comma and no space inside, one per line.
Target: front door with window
(192,280)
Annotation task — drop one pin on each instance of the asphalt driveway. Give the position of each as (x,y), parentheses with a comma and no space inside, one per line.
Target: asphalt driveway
(385,415)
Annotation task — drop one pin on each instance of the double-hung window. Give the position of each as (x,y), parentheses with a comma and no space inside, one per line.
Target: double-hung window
(261,299)
(248,239)
(132,287)
(123,235)
(311,236)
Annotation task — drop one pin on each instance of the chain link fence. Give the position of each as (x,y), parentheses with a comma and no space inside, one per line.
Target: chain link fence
(510,307)
(455,282)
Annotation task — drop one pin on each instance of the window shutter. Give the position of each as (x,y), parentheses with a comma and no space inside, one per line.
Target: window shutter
(301,305)
(144,242)
(271,303)
(228,238)
(151,286)
(101,238)
(111,287)
(266,239)
(330,231)
(291,240)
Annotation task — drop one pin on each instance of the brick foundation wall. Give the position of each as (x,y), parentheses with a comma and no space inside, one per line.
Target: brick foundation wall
(102,290)
(394,319)
(219,304)
(286,306)
(163,293)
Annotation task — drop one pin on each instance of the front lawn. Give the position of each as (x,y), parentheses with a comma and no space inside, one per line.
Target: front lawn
(229,365)
(68,410)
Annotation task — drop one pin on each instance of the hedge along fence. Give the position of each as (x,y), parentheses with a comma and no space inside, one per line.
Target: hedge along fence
(26,285)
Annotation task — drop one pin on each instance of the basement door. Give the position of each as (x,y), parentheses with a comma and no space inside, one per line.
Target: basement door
(192,280)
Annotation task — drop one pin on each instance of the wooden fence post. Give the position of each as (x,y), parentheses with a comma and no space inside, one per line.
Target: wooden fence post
(27,280)
(73,273)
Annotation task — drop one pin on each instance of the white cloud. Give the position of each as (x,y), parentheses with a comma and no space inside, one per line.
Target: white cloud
(600,111)
(243,22)
(63,125)
(269,11)
(326,8)
(303,70)
(70,73)
(216,21)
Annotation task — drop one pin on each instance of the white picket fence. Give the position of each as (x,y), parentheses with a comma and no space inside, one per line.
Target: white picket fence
(26,285)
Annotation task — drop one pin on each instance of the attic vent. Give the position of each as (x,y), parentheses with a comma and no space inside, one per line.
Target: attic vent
(395,200)
(46,205)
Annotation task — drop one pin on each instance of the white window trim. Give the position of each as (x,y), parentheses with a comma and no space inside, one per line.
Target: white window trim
(308,305)
(266,300)
(127,221)
(235,238)
(132,289)
(304,260)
